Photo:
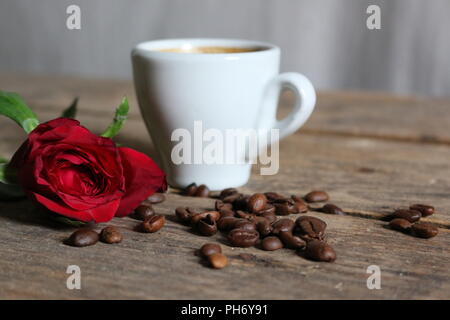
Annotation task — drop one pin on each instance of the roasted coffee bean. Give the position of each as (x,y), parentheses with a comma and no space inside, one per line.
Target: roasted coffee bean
(153,224)
(144,211)
(320,251)
(300,204)
(309,228)
(286,207)
(332,209)
(271,243)
(269,216)
(273,196)
(198,216)
(424,230)
(227,192)
(226,213)
(256,202)
(243,238)
(231,198)
(111,234)
(424,209)
(202,191)
(218,260)
(245,224)
(227,223)
(190,190)
(210,248)
(83,238)
(156,198)
(268,209)
(400,224)
(290,241)
(410,215)
(244,215)
(285,224)
(264,227)
(207,226)
(240,203)
(183,214)
(219,205)
(317,196)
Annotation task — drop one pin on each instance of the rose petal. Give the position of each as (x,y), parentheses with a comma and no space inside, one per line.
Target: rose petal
(143,177)
(101,213)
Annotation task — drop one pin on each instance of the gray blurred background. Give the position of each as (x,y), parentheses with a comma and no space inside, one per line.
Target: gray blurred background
(327,40)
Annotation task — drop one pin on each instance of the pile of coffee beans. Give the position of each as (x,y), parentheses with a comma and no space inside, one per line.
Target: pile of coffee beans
(212,252)
(251,220)
(407,221)
(151,222)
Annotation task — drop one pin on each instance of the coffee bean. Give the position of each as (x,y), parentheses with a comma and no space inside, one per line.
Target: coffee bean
(332,209)
(83,238)
(317,196)
(227,223)
(410,215)
(207,226)
(245,224)
(400,224)
(243,215)
(285,207)
(424,230)
(285,224)
(190,190)
(273,196)
(183,214)
(218,260)
(144,211)
(290,241)
(300,204)
(227,192)
(269,216)
(264,227)
(156,198)
(219,205)
(153,224)
(424,209)
(240,203)
(309,228)
(256,202)
(198,216)
(202,191)
(320,251)
(226,213)
(271,243)
(231,198)
(209,249)
(243,238)
(268,209)
(111,234)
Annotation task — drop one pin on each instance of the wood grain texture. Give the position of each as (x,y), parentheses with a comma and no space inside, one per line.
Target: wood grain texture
(364,167)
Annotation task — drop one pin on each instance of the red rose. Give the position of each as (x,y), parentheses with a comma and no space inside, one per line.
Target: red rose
(72,172)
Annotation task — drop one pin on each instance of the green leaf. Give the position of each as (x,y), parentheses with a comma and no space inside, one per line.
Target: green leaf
(119,119)
(13,107)
(10,191)
(68,221)
(71,111)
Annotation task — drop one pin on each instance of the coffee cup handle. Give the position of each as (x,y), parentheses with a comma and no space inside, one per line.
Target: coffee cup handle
(305,97)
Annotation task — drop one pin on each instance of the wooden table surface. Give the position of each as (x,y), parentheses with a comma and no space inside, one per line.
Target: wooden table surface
(372,152)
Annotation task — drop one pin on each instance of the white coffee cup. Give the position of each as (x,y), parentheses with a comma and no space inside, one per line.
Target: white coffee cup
(228,90)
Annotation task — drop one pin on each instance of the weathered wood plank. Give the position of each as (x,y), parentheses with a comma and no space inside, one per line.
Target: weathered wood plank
(163,265)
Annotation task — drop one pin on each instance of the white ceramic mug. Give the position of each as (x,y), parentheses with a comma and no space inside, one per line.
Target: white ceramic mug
(237,90)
